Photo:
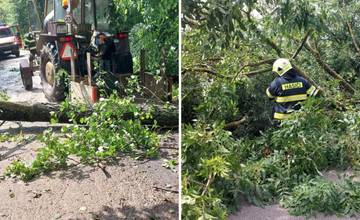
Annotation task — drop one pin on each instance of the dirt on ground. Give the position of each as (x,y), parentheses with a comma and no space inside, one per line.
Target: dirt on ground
(134,190)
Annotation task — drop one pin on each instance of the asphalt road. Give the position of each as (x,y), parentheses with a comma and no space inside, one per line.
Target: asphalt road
(10,81)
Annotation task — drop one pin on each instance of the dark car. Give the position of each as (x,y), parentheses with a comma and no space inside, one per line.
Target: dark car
(9,43)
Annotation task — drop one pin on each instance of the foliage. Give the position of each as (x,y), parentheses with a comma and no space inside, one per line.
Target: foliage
(7,7)
(267,168)
(5,137)
(314,140)
(99,137)
(318,195)
(153,26)
(4,96)
(170,164)
(15,13)
(206,163)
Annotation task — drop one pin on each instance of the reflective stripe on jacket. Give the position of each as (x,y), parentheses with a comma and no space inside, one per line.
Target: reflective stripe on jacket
(288,91)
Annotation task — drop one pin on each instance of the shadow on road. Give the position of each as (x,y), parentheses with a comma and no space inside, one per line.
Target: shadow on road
(165,210)
(11,152)
(28,130)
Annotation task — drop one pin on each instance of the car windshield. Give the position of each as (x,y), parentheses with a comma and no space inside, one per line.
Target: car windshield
(5,32)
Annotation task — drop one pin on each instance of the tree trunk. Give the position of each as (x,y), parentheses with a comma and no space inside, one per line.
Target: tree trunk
(41,112)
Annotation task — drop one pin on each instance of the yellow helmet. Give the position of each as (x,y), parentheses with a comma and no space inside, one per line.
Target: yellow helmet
(281,66)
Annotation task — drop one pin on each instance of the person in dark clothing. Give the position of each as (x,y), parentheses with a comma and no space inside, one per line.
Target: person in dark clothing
(288,89)
(107,49)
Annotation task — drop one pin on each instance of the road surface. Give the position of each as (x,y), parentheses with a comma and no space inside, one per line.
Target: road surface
(10,81)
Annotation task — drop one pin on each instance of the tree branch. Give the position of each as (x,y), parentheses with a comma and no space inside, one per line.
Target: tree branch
(262,62)
(298,69)
(256,72)
(353,37)
(191,22)
(328,69)
(304,75)
(233,125)
(205,70)
(259,63)
(303,41)
(266,40)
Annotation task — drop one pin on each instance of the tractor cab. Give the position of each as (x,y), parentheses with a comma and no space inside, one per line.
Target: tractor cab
(63,37)
(75,17)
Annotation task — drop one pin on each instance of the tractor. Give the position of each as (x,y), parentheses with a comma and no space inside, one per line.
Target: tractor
(67,37)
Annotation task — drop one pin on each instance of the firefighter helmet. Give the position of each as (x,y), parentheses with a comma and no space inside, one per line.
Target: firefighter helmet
(281,66)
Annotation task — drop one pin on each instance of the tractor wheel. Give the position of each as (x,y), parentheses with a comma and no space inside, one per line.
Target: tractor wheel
(53,83)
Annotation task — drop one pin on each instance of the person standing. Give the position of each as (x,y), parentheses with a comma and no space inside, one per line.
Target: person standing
(288,89)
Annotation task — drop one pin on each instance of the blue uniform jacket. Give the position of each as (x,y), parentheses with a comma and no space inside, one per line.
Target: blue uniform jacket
(288,91)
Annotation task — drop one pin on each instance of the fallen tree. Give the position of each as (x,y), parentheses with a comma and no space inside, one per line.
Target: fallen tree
(43,112)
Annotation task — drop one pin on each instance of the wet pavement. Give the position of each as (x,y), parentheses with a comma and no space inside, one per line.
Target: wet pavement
(11,83)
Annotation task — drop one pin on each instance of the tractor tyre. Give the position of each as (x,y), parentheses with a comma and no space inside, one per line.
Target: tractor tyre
(53,82)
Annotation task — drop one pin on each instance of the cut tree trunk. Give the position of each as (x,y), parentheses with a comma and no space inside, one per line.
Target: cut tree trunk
(42,112)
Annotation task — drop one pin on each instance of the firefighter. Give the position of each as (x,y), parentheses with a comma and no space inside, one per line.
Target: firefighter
(288,89)
(30,42)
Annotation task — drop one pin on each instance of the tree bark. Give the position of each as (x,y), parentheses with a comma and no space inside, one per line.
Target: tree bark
(41,112)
